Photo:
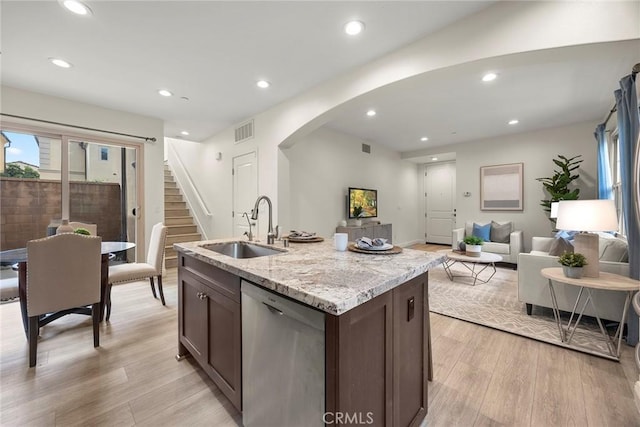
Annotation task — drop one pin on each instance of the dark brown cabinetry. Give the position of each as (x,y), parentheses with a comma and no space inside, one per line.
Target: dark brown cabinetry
(209,323)
(377,355)
(377,358)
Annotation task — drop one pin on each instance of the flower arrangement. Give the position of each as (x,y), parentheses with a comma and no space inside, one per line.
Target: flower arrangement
(357,211)
(571,259)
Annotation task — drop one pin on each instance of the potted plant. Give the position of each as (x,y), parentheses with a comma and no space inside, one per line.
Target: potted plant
(558,185)
(572,263)
(83,231)
(357,213)
(473,245)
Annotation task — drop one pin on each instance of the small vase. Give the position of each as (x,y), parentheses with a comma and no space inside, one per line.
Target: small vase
(358,222)
(473,250)
(572,272)
(64,227)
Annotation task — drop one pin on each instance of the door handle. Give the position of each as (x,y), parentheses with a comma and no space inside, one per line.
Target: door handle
(411,307)
(273,309)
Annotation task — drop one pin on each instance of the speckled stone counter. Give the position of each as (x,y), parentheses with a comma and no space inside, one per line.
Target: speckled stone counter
(318,275)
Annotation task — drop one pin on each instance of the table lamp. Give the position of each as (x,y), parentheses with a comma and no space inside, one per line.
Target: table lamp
(585,216)
(554,210)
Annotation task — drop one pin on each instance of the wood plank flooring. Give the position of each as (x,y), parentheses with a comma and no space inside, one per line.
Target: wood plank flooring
(482,376)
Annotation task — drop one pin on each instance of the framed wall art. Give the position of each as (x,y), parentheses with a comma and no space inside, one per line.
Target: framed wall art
(501,187)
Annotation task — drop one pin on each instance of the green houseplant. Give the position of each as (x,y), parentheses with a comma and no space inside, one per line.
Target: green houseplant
(572,264)
(558,185)
(82,231)
(473,245)
(357,213)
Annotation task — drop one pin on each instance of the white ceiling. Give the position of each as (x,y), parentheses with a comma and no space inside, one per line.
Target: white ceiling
(213,52)
(541,89)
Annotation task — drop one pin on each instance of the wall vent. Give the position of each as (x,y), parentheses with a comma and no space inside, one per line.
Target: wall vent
(244,131)
(366,148)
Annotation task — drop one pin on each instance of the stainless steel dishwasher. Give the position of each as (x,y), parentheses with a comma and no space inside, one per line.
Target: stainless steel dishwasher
(282,361)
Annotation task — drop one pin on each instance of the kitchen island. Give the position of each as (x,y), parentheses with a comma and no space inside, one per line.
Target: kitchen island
(376,323)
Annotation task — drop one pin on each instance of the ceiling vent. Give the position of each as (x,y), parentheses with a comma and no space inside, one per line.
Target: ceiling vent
(244,132)
(366,148)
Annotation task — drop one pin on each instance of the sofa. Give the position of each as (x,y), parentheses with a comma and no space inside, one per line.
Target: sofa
(508,245)
(533,289)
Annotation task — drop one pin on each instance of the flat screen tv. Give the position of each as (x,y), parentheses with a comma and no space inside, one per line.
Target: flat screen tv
(366,199)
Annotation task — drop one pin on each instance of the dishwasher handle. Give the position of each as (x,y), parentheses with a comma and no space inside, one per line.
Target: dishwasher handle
(273,309)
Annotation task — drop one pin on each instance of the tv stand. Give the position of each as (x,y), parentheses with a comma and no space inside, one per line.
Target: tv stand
(368,229)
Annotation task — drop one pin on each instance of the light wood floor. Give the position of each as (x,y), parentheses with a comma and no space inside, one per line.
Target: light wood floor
(482,376)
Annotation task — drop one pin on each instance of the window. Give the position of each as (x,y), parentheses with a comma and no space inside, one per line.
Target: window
(47,175)
(616,178)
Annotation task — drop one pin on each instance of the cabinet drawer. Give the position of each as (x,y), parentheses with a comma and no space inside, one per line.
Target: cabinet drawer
(215,278)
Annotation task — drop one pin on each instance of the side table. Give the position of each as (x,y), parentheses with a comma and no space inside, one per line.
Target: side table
(606,281)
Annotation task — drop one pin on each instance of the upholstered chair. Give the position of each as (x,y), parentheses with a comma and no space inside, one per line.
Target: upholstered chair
(63,277)
(135,271)
(91,228)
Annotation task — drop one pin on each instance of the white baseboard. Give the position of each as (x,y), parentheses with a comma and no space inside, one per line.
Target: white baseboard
(412,242)
(636,395)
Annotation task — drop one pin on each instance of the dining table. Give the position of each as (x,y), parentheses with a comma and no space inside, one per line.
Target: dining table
(19,256)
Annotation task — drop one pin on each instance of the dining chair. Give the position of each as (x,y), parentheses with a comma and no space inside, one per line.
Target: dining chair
(91,228)
(63,277)
(134,271)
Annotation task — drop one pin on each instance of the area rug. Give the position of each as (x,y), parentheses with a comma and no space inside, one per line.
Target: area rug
(495,304)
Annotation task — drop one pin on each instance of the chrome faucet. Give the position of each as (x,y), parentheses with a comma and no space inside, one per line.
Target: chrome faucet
(249,234)
(271,237)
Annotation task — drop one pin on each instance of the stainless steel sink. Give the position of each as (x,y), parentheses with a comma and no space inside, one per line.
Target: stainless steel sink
(241,249)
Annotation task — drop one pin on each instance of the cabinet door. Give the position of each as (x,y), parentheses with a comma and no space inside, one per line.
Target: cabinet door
(359,362)
(192,316)
(224,360)
(410,352)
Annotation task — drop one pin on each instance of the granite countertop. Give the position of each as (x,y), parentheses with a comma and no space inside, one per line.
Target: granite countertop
(318,275)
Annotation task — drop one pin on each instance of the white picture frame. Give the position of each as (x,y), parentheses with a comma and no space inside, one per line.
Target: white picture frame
(501,187)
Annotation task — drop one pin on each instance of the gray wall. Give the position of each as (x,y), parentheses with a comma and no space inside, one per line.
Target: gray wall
(536,150)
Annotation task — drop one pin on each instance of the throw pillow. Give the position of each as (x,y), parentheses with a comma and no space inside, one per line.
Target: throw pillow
(482,231)
(500,232)
(615,250)
(566,234)
(559,246)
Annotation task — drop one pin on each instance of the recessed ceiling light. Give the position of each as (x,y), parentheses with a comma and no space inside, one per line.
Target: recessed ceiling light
(353,28)
(263,84)
(77,7)
(165,92)
(371,113)
(185,133)
(434,159)
(60,62)
(514,122)
(489,77)
(424,138)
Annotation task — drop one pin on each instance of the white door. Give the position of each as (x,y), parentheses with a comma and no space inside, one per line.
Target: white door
(245,191)
(440,202)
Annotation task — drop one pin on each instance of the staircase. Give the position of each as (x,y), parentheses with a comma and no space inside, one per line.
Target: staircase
(177,219)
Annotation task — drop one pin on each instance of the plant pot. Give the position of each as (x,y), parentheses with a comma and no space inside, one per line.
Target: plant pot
(572,272)
(64,227)
(357,222)
(473,250)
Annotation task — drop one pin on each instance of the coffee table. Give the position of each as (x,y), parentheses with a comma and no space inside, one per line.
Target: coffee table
(475,265)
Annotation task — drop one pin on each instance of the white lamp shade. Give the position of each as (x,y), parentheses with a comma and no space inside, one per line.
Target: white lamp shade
(554,210)
(587,215)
